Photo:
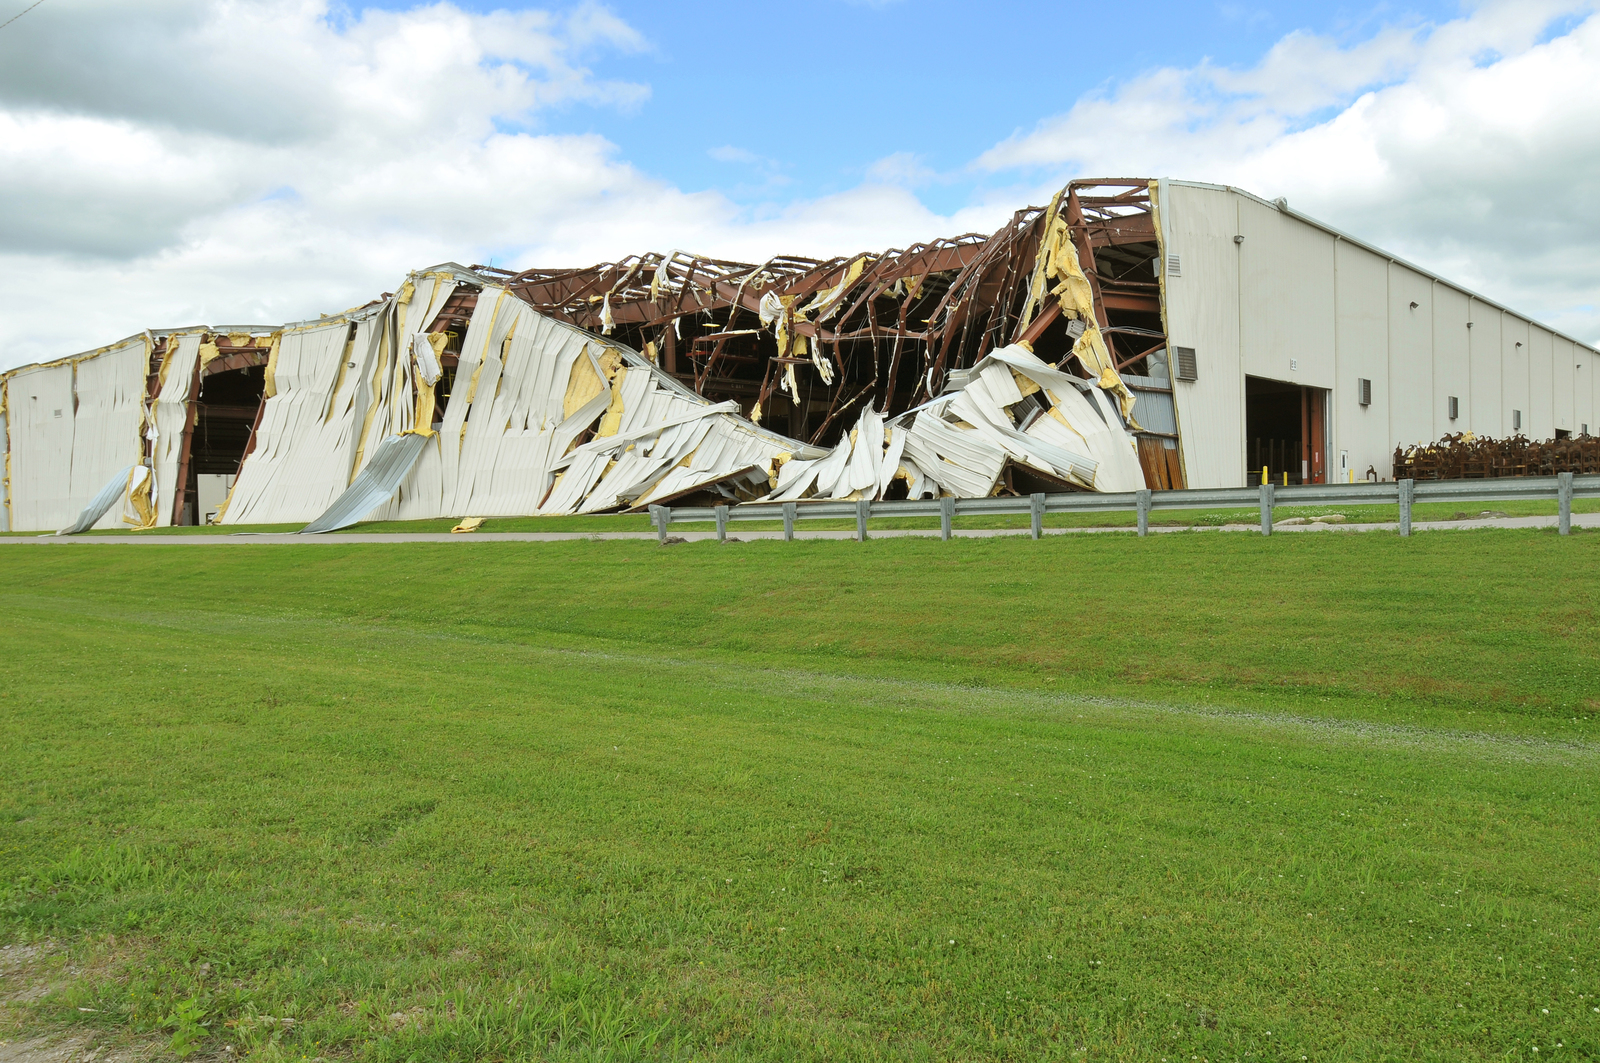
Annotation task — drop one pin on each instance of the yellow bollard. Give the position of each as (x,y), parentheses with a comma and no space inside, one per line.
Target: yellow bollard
(1286,478)
(1263,474)
(1352,476)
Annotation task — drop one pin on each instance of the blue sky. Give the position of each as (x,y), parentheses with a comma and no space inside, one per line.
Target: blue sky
(771,103)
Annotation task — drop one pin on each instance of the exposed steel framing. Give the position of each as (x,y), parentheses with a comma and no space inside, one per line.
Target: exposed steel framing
(903,320)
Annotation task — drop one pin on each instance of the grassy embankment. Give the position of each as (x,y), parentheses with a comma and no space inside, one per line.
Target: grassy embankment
(1221,797)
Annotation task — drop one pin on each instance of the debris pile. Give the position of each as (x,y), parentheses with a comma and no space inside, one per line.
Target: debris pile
(1021,361)
(1465,456)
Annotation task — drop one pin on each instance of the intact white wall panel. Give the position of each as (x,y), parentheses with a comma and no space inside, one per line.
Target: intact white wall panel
(1514,373)
(1413,414)
(1286,296)
(1361,333)
(1541,384)
(1198,226)
(1564,382)
(1452,359)
(39,426)
(1483,341)
(1584,394)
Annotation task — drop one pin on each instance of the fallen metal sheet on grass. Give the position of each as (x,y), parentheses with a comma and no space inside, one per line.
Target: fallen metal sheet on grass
(374,485)
(124,483)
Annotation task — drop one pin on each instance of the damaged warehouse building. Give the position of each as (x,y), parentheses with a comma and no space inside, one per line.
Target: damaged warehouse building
(1132,333)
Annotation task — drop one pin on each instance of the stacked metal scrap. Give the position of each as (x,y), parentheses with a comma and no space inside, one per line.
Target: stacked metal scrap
(1465,456)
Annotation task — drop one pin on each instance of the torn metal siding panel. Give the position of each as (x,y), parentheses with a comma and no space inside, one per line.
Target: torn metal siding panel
(306,441)
(391,460)
(109,391)
(121,484)
(528,386)
(171,416)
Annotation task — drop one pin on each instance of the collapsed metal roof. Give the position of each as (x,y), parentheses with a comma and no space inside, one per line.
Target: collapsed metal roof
(970,365)
(880,328)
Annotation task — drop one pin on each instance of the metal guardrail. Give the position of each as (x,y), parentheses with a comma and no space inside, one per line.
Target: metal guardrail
(1562,489)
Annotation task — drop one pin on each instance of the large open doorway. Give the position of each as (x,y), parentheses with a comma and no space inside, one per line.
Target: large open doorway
(1285,432)
(225,417)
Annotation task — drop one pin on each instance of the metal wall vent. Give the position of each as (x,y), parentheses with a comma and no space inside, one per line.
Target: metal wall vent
(1366,392)
(1174,266)
(1516,420)
(1455,407)
(1187,369)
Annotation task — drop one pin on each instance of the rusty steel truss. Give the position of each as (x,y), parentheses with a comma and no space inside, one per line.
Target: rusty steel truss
(799,343)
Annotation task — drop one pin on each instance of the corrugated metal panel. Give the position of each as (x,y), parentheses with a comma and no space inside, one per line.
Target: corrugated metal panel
(1153,409)
(101,502)
(373,486)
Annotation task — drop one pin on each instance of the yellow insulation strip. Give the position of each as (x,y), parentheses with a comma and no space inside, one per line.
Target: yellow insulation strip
(1041,262)
(428,395)
(272,366)
(827,296)
(1024,384)
(611,420)
(582,385)
(139,498)
(1058,260)
(1091,351)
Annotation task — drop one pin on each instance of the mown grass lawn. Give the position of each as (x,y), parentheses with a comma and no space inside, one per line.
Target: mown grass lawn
(1329,797)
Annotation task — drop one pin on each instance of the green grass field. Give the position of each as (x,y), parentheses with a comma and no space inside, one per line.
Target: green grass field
(1317,797)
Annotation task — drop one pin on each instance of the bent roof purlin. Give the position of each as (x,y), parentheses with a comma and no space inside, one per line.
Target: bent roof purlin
(879,328)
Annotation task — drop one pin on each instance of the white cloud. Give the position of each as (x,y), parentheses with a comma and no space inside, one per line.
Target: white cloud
(903,168)
(1471,147)
(170,162)
(179,161)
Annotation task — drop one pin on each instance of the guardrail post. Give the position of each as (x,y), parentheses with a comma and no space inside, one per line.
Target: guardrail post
(947,515)
(722,524)
(1266,509)
(789,509)
(660,516)
(863,507)
(1564,495)
(1036,512)
(1142,498)
(1408,489)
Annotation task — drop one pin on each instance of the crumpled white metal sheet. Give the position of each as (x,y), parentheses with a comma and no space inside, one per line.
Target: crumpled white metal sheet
(1010,407)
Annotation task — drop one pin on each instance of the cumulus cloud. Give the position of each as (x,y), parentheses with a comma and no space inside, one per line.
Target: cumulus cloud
(170,162)
(181,161)
(1471,147)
